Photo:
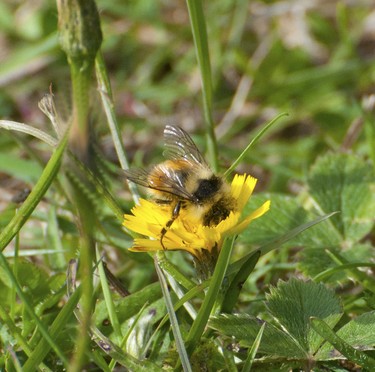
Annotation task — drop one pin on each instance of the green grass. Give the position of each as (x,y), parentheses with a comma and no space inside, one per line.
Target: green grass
(294,290)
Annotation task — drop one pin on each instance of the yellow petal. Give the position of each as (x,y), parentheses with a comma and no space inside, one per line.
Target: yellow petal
(244,223)
(246,191)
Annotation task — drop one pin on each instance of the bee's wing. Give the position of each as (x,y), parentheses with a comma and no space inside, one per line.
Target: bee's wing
(138,176)
(179,145)
(169,182)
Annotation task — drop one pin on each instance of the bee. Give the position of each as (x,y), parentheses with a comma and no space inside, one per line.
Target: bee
(184,181)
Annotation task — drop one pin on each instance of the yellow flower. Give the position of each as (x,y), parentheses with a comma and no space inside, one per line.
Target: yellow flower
(186,233)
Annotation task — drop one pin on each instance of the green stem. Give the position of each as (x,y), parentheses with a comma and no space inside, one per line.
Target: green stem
(79,134)
(86,222)
(252,142)
(48,175)
(173,318)
(200,322)
(81,72)
(107,100)
(198,27)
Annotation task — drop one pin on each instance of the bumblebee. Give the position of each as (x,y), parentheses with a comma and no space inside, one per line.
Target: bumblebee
(184,181)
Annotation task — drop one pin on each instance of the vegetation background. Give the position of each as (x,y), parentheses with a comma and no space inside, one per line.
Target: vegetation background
(313,60)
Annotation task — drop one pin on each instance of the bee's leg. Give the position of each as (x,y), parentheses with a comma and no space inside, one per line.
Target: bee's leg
(176,212)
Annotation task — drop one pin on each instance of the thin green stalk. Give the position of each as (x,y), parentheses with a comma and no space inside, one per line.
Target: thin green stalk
(109,300)
(15,272)
(107,100)
(57,260)
(238,23)
(329,272)
(200,322)
(48,175)
(366,281)
(173,271)
(28,129)
(86,249)
(199,31)
(84,209)
(80,38)
(369,109)
(190,295)
(253,350)
(174,322)
(252,142)
(357,356)
(278,242)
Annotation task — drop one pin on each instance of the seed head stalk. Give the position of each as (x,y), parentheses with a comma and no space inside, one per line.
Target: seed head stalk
(80,38)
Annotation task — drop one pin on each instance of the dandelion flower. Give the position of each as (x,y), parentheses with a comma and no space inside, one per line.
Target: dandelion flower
(148,219)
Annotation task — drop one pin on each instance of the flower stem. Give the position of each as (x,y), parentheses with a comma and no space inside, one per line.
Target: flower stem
(200,321)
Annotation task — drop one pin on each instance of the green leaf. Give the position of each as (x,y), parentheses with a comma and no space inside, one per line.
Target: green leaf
(293,303)
(29,308)
(358,333)
(129,306)
(342,182)
(232,293)
(245,328)
(285,214)
(208,357)
(342,346)
(319,265)
(123,358)
(31,278)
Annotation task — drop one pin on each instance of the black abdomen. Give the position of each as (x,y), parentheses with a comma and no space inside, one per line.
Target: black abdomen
(218,212)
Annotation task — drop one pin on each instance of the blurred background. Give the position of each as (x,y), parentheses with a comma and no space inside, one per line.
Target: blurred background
(311,59)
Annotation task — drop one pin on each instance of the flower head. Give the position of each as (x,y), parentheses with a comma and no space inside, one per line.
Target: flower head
(186,232)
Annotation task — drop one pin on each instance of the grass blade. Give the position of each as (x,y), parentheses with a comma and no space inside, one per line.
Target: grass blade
(354,355)
(279,241)
(252,142)
(58,324)
(253,350)
(48,175)
(198,27)
(174,322)
(232,293)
